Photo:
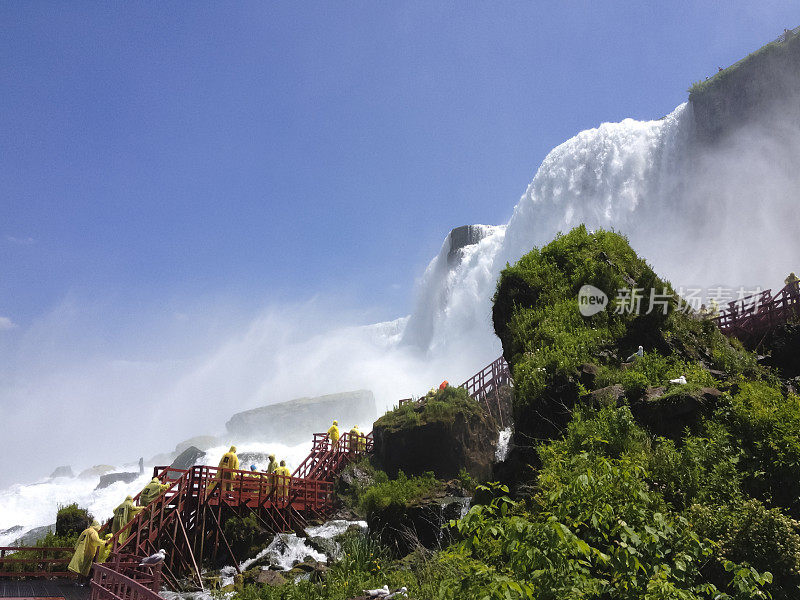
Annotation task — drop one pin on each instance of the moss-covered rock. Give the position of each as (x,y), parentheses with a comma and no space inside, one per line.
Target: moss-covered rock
(445,432)
(548,342)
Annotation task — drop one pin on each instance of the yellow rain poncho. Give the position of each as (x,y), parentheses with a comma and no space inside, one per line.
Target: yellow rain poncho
(333,434)
(105,550)
(152,491)
(273,464)
(123,515)
(85,549)
(283,484)
(229,460)
(357,441)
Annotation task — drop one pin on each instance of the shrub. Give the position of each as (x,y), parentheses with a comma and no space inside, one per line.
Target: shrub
(72,520)
(436,406)
(750,533)
(397,492)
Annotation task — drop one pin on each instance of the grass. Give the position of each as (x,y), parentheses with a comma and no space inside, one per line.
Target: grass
(402,491)
(754,60)
(436,406)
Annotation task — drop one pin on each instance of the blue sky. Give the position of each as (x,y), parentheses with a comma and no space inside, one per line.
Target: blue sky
(169,170)
(271,151)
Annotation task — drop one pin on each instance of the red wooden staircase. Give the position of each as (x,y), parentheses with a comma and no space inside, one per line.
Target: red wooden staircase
(187,517)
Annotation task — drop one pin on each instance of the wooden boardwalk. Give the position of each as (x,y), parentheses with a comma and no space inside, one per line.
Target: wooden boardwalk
(62,589)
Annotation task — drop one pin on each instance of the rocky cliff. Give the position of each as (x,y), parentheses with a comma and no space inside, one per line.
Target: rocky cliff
(763,85)
(295,420)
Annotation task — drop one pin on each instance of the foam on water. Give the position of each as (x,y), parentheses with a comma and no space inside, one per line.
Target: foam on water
(643,178)
(502,444)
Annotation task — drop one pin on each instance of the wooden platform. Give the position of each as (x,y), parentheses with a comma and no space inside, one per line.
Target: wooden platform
(60,589)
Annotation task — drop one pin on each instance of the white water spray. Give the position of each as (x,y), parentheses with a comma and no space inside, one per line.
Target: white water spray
(701,216)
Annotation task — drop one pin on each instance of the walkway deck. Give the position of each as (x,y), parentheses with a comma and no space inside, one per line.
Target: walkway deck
(43,588)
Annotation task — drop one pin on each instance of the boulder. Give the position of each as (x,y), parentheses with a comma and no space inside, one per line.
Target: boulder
(187,459)
(95,471)
(271,578)
(287,421)
(445,434)
(587,374)
(606,396)
(65,471)
(404,528)
(323,545)
(669,412)
(201,442)
(107,480)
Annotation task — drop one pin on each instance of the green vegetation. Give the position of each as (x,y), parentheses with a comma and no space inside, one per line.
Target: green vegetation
(72,520)
(437,405)
(402,491)
(244,533)
(608,509)
(70,523)
(545,337)
(779,49)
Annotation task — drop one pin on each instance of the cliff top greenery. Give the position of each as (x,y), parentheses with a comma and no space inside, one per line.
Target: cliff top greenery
(718,497)
(436,406)
(546,338)
(780,49)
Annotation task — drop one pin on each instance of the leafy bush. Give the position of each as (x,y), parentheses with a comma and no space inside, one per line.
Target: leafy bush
(767,426)
(72,520)
(750,533)
(397,492)
(436,406)
(243,533)
(703,469)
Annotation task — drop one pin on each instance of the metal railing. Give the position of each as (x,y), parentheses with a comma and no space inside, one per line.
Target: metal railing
(112,584)
(484,386)
(32,561)
(752,317)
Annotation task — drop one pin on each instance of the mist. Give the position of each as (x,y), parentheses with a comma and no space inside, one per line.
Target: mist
(91,383)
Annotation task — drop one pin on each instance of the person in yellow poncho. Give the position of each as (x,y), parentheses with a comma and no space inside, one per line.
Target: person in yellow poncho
(229,460)
(152,491)
(283,481)
(123,515)
(105,550)
(333,435)
(85,550)
(357,441)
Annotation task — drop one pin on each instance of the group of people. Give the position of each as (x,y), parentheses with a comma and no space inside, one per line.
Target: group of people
(90,547)
(229,464)
(358,443)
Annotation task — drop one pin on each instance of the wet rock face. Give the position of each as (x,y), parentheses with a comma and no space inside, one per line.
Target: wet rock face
(460,238)
(107,480)
(286,421)
(404,528)
(467,441)
(188,458)
(670,416)
(65,471)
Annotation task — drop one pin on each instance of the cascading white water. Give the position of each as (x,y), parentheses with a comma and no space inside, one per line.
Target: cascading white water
(701,215)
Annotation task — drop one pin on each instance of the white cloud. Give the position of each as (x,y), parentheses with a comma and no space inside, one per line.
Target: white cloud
(6,323)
